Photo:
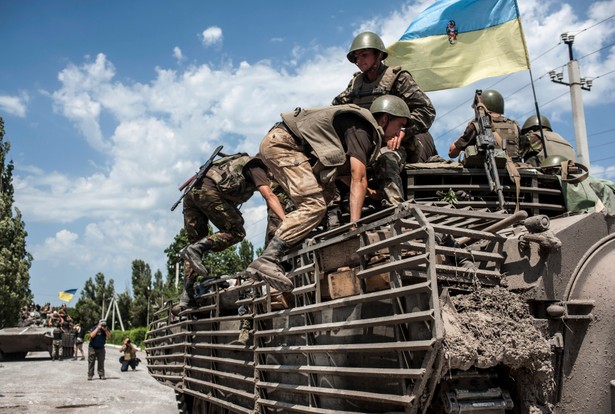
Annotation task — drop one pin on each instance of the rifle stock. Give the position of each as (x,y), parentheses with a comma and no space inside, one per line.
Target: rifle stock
(196,178)
(485,141)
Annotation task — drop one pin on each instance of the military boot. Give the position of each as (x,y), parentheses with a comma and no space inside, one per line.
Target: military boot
(267,267)
(186,300)
(193,253)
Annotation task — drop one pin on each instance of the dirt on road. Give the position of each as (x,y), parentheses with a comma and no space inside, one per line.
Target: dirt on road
(40,385)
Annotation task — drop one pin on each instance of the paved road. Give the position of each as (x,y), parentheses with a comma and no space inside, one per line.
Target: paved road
(40,385)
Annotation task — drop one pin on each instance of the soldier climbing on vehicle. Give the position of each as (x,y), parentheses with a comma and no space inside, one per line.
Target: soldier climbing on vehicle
(306,152)
(216,198)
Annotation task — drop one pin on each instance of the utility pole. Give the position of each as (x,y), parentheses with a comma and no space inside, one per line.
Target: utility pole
(576,84)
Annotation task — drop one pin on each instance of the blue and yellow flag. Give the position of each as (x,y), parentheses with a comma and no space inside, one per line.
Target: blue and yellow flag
(67,295)
(456,42)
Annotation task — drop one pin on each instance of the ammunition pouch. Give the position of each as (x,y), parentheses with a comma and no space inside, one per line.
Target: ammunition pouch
(475,158)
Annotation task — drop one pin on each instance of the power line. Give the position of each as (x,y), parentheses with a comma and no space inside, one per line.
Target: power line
(602,145)
(602,132)
(593,25)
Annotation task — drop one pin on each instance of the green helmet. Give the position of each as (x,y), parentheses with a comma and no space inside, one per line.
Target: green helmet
(366,40)
(494,101)
(532,121)
(392,105)
(553,161)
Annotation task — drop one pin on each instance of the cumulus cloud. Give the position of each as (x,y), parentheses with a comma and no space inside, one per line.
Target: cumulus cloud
(160,131)
(14,105)
(177,54)
(211,36)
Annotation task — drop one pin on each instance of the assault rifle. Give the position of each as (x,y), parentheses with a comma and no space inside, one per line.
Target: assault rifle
(485,143)
(196,178)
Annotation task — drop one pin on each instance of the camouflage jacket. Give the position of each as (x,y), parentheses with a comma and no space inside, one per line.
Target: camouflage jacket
(393,81)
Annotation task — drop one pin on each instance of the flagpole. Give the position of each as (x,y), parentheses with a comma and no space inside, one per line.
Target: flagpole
(529,68)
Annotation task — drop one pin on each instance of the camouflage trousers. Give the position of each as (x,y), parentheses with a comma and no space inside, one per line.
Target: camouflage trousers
(285,159)
(204,205)
(388,168)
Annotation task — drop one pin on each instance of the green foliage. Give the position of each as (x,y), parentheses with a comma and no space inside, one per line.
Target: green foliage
(141,287)
(89,306)
(246,253)
(15,261)
(136,335)
(450,197)
(124,302)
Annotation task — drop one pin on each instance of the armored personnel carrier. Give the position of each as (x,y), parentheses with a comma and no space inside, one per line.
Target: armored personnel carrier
(453,302)
(16,342)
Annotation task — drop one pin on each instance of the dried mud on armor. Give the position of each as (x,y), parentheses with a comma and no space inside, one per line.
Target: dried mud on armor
(492,326)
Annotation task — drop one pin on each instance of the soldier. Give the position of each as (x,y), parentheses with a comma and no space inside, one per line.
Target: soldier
(375,79)
(305,152)
(427,148)
(229,182)
(58,330)
(531,142)
(505,130)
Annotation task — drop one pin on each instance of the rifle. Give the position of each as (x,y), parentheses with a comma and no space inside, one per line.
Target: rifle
(485,142)
(196,178)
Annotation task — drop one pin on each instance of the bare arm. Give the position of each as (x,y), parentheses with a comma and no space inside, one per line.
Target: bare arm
(358,188)
(272,200)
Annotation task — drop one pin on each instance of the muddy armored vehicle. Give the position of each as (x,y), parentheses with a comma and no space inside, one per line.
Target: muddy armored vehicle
(16,342)
(488,303)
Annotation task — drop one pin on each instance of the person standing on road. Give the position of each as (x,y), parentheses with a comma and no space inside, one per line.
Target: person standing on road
(96,350)
(57,338)
(79,335)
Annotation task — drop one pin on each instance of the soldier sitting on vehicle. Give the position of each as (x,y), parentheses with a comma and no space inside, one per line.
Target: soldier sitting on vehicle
(531,147)
(505,130)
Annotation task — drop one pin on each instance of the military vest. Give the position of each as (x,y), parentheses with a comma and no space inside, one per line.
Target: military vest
(506,134)
(227,173)
(556,145)
(363,93)
(315,126)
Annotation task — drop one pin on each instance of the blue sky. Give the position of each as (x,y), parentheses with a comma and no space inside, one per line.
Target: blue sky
(110,106)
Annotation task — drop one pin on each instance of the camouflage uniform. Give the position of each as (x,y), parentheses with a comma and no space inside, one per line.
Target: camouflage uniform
(505,130)
(531,149)
(398,82)
(211,202)
(290,149)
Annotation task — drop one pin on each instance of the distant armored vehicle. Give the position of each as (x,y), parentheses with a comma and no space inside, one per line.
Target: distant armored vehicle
(15,343)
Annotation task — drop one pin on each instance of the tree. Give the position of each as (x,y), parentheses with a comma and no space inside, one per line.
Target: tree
(141,289)
(124,302)
(15,261)
(246,253)
(90,303)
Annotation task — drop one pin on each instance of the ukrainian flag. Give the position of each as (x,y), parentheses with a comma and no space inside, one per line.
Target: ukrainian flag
(456,42)
(67,295)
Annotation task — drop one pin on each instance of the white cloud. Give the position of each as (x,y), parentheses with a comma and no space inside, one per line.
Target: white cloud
(14,105)
(178,55)
(162,129)
(211,36)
